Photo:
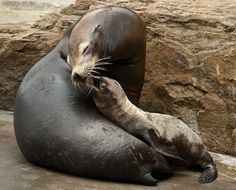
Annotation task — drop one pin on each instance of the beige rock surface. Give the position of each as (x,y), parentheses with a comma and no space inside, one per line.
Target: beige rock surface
(190,66)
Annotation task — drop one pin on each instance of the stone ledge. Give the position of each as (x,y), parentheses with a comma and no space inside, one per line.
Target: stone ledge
(17,173)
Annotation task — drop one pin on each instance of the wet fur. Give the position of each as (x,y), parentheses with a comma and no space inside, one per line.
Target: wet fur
(165,133)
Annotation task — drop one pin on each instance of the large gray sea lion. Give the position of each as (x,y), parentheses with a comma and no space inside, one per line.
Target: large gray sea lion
(165,133)
(59,127)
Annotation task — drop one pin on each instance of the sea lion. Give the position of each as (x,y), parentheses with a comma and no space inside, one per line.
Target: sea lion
(108,38)
(58,127)
(160,131)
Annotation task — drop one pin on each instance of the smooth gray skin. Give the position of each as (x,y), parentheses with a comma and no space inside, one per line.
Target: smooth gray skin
(59,127)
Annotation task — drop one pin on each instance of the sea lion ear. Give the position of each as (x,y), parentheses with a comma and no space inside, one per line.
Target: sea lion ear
(96,28)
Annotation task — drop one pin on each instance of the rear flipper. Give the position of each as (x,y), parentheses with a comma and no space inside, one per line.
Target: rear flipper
(208,168)
(157,171)
(148,179)
(162,176)
(209,174)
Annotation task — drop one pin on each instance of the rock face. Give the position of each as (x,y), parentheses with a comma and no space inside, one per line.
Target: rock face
(190,65)
(22,43)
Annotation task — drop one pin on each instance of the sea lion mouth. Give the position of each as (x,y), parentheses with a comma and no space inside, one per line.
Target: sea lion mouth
(95,69)
(77,78)
(92,82)
(96,82)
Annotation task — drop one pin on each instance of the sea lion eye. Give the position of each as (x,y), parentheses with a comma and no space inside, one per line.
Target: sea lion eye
(85,51)
(102,85)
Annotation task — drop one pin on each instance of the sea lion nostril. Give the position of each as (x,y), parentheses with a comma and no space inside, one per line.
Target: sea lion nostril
(77,77)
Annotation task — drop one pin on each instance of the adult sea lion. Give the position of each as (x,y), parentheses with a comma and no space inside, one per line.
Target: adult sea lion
(59,127)
(160,131)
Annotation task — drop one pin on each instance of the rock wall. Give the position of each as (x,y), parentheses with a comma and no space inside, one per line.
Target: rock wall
(190,65)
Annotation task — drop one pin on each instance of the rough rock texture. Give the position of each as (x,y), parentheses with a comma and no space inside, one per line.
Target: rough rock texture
(23,43)
(191,60)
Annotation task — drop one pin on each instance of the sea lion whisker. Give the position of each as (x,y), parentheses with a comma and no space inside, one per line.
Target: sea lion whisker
(103,63)
(79,86)
(90,67)
(104,58)
(74,85)
(90,90)
(95,72)
(93,76)
(88,72)
(100,68)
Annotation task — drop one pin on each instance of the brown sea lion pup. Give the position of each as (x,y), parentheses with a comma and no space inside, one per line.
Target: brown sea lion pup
(163,132)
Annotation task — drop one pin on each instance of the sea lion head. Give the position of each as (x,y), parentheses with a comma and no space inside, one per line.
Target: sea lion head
(106,91)
(109,42)
(83,55)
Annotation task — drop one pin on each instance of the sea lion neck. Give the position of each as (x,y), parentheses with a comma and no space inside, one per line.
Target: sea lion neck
(124,112)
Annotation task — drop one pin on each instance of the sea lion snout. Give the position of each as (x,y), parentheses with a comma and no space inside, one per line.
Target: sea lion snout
(82,60)
(81,68)
(76,77)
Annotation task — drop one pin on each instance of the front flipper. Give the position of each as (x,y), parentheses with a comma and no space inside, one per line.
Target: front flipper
(169,150)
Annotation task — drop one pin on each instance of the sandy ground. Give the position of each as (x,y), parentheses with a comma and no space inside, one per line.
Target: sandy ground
(17,173)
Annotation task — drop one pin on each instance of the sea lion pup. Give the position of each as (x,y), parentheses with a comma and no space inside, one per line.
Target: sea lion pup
(162,132)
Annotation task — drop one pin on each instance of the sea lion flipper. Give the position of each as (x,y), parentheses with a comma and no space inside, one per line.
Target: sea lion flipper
(209,170)
(169,150)
(208,175)
(148,179)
